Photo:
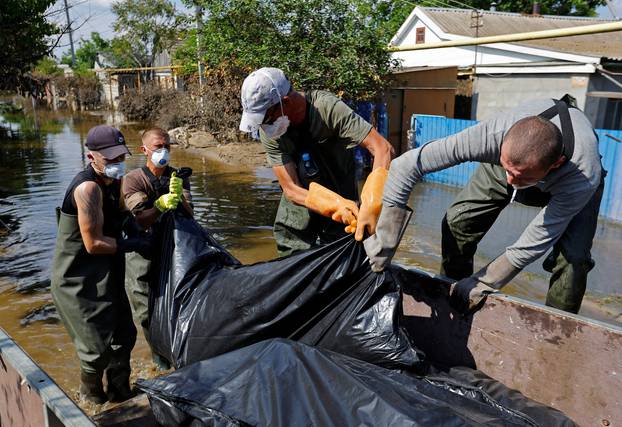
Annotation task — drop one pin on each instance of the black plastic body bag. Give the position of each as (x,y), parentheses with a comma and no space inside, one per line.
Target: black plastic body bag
(219,317)
(205,303)
(278,383)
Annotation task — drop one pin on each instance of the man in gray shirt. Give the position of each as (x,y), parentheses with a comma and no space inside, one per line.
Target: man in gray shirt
(543,153)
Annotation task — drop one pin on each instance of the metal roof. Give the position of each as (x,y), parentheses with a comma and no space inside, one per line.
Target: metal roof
(458,22)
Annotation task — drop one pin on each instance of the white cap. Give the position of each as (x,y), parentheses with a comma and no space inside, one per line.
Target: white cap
(261,90)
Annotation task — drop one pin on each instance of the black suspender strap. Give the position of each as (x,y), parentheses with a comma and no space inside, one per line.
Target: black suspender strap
(159,187)
(561,108)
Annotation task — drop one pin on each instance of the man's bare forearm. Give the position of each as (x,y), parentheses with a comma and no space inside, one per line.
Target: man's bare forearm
(89,203)
(186,205)
(380,149)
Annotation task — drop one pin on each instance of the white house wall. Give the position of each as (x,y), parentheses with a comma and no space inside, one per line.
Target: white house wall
(494,94)
(454,56)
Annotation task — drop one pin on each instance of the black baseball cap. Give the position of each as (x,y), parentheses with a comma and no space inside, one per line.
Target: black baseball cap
(107,140)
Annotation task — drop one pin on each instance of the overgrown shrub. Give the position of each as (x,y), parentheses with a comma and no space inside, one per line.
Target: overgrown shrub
(218,112)
(145,104)
(81,91)
(84,89)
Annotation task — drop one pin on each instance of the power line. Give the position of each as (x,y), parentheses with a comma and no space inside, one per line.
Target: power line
(73,51)
(470,7)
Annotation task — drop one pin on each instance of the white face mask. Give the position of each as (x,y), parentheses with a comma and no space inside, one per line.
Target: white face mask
(279,127)
(160,157)
(115,170)
(276,129)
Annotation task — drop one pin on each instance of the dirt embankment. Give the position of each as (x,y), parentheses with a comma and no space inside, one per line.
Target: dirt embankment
(246,153)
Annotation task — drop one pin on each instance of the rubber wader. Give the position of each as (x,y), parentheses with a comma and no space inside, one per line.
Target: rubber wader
(90,298)
(138,274)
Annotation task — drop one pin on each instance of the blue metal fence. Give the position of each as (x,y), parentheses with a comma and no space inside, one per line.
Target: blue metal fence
(372,113)
(425,128)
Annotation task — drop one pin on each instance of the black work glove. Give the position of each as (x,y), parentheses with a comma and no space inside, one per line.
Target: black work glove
(141,245)
(469,295)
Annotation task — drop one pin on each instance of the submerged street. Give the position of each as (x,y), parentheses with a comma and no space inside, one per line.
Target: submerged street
(41,153)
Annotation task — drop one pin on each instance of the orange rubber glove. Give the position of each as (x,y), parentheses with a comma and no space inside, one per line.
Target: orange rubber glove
(371,203)
(328,203)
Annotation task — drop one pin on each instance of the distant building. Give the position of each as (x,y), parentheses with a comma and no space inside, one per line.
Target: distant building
(503,75)
(115,81)
(166,77)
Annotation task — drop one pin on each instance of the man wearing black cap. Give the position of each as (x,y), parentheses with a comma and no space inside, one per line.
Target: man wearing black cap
(89,268)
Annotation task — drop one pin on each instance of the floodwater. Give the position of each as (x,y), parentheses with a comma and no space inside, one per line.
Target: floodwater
(237,204)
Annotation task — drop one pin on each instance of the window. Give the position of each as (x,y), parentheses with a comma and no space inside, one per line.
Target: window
(613,114)
(420,35)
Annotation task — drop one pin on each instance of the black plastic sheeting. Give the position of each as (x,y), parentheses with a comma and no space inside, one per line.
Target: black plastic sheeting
(311,339)
(205,303)
(285,383)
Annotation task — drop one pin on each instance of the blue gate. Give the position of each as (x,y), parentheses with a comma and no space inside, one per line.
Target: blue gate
(426,128)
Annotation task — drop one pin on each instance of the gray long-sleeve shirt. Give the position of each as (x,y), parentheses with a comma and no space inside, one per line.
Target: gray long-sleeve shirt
(571,186)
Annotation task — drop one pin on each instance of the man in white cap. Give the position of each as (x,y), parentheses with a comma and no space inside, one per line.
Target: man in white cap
(309,139)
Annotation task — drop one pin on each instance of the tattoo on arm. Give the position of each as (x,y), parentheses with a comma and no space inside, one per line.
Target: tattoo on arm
(89,201)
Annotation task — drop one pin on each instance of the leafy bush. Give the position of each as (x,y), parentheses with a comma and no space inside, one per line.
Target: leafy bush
(338,45)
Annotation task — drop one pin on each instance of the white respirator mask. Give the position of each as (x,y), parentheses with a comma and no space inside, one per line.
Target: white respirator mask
(280,125)
(115,170)
(278,128)
(160,157)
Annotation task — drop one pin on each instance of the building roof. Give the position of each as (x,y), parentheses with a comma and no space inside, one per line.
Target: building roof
(458,22)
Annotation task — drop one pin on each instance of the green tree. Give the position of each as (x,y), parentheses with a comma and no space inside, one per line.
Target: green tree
(47,67)
(24,38)
(124,54)
(87,52)
(148,27)
(337,45)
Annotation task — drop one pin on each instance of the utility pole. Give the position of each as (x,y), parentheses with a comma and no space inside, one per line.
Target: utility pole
(73,51)
(198,13)
(477,22)
(612,9)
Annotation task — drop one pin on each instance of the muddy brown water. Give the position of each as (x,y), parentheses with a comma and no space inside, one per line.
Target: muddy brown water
(40,154)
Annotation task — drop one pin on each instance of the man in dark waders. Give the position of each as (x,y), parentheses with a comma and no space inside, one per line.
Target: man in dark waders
(545,154)
(148,192)
(89,268)
(309,139)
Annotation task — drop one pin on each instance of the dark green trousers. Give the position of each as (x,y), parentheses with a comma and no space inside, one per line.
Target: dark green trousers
(477,207)
(298,229)
(137,280)
(91,301)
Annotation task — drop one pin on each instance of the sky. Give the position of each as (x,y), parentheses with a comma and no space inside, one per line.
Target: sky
(89,16)
(96,15)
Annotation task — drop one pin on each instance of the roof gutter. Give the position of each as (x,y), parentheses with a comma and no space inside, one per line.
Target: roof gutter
(606,75)
(518,37)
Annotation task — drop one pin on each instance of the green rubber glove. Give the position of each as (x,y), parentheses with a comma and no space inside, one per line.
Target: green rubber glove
(166,202)
(175,185)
